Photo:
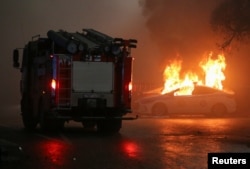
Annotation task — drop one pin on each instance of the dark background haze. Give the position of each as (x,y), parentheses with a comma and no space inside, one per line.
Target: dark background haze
(165,29)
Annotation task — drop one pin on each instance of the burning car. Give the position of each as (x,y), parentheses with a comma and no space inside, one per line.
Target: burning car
(189,92)
(203,100)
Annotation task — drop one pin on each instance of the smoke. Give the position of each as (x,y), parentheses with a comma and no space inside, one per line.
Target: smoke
(180,28)
(20,20)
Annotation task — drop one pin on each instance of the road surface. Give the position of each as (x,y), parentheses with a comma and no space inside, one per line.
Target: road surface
(146,143)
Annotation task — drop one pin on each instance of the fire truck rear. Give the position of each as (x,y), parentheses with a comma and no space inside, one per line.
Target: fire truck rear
(83,76)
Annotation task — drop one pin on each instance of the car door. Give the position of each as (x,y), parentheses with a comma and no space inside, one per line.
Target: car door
(196,103)
(200,100)
(180,104)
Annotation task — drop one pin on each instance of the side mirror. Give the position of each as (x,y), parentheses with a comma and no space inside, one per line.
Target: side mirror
(16,63)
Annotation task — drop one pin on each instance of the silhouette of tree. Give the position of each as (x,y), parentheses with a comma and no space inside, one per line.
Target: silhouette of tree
(231,18)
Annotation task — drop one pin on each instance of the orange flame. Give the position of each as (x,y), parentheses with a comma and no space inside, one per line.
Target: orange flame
(213,71)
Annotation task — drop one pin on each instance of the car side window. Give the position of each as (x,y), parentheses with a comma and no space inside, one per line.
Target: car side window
(202,91)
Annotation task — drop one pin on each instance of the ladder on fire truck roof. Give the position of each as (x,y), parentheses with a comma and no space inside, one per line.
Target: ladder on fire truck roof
(64,88)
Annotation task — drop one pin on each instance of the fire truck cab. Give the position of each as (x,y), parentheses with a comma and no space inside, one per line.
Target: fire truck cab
(85,77)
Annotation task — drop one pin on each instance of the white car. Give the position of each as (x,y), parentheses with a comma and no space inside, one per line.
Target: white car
(204,100)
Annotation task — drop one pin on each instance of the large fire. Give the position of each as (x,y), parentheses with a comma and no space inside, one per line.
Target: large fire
(213,75)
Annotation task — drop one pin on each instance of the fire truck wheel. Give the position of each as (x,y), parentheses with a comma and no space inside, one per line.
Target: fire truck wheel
(44,122)
(109,126)
(29,121)
(48,124)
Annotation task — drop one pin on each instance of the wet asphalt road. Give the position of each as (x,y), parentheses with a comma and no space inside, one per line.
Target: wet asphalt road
(146,143)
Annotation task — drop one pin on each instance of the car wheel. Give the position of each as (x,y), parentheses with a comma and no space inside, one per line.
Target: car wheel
(219,109)
(159,109)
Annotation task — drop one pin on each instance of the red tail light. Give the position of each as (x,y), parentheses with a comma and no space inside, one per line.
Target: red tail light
(53,84)
(130,86)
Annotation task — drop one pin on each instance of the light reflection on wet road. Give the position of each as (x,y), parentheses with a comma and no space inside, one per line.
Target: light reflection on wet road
(156,143)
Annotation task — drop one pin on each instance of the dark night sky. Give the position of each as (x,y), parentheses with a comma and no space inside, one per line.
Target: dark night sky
(20,20)
(164,28)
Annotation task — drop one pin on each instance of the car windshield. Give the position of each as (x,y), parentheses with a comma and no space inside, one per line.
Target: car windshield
(198,90)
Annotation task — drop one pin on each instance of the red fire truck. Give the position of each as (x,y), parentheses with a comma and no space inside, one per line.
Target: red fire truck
(82,76)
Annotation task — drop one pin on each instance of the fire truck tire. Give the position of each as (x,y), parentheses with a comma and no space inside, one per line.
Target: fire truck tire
(29,121)
(109,126)
(48,124)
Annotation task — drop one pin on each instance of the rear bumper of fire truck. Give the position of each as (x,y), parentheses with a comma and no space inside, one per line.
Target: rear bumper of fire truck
(78,114)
